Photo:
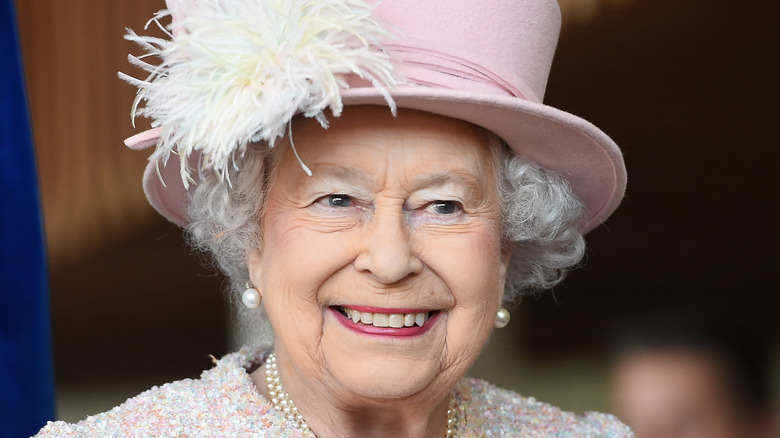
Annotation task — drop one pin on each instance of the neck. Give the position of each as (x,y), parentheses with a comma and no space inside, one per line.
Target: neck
(329,412)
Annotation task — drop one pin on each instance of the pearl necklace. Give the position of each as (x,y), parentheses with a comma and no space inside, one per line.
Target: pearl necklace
(285,405)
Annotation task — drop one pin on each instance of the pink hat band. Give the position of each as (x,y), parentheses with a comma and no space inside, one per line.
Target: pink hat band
(429,68)
(485,62)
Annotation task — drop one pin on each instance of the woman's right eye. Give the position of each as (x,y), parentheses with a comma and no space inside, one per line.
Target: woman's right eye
(338,205)
(339,201)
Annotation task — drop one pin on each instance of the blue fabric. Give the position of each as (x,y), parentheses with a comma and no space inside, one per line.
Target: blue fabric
(26,377)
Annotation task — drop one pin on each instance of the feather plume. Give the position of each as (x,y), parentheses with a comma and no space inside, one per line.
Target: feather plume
(235,72)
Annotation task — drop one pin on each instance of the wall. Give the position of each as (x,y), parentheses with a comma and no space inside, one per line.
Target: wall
(81,112)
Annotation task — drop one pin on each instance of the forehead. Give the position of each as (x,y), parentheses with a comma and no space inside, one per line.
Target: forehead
(371,140)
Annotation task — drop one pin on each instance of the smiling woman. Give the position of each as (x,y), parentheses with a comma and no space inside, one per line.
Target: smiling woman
(372,258)
(389,254)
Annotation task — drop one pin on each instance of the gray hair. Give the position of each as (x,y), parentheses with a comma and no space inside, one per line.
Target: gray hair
(539,215)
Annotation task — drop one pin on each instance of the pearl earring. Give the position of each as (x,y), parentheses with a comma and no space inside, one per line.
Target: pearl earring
(251,297)
(502,318)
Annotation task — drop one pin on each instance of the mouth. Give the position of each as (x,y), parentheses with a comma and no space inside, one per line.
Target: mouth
(392,322)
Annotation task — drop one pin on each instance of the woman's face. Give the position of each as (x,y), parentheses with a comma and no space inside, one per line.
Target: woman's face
(382,272)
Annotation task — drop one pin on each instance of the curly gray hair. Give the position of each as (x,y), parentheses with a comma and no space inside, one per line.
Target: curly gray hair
(538,208)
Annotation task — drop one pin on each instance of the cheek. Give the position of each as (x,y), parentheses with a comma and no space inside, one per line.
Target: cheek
(297,260)
(297,246)
(470,265)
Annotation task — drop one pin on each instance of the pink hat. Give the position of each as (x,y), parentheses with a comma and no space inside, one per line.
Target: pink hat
(485,62)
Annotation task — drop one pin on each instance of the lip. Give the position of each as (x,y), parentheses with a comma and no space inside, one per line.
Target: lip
(390,332)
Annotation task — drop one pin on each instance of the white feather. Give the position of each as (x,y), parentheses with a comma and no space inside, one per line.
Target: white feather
(237,71)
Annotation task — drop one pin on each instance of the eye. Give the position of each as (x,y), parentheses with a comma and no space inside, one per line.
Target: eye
(445,207)
(339,200)
(340,206)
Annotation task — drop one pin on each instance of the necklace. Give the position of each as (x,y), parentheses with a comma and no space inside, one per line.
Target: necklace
(284,404)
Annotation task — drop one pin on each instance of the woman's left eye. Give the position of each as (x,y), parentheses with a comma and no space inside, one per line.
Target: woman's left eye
(445,207)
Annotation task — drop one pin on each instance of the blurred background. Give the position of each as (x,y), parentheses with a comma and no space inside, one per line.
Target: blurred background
(687,88)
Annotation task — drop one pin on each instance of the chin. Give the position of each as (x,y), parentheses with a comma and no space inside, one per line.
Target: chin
(382,367)
(386,377)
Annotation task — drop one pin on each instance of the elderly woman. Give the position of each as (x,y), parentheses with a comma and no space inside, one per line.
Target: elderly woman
(370,249)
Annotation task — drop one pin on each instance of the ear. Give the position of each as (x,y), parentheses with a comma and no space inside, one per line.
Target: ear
(253,264)
(503,269)
(506,256)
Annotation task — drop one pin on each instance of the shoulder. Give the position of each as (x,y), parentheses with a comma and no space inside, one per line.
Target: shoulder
(160,408)
(222,401)
(492,411)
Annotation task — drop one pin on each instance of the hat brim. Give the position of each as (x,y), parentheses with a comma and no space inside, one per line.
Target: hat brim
(554,139)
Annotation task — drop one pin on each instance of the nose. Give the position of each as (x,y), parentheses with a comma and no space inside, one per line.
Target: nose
(387,252)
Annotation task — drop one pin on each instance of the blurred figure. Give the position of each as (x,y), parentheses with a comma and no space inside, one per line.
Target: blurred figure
(676,378)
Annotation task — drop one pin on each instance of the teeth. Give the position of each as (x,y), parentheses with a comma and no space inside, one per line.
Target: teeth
(395,320)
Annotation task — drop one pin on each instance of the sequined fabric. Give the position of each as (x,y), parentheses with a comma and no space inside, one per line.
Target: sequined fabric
(224,403)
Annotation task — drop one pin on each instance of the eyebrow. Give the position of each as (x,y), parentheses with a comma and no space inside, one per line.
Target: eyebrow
(359,177)
(352,175)
(475,188)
